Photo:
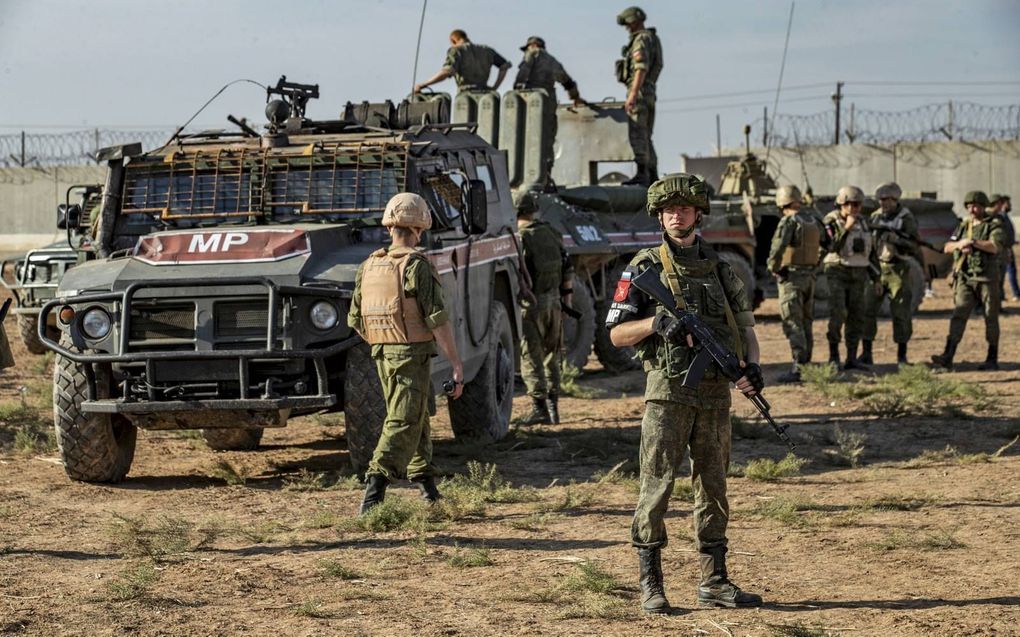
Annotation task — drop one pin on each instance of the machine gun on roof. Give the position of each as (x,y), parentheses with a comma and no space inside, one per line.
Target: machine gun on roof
(296,94)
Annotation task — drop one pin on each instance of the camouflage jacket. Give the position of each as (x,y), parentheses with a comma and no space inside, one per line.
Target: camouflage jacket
(471,63)
(642,52)
(979,265)
(539,69)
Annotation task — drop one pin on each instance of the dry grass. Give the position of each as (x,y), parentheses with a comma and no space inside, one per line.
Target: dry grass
(769,470)
(133,583)
(469,557)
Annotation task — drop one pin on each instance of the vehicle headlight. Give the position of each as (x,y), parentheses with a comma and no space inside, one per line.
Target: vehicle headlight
(96,323)
(324,315)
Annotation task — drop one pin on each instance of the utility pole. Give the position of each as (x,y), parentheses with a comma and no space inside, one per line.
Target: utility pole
(718,136)
(837,99)
(764,127)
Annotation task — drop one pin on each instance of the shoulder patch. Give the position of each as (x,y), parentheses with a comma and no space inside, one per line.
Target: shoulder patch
(623,286)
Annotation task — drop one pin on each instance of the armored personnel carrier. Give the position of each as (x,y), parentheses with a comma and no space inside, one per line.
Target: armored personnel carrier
(223,263)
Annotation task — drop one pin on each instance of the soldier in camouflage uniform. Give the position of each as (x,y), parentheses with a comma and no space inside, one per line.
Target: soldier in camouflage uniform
(1000,207)
(398,308)
(552,279)
(896,236)
(677,417)
(639,70)
(6,357)
(851,268)
(793,259)
(469,64)
(976,246)
(540,70)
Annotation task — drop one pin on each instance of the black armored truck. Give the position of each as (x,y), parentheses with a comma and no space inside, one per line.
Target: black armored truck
(216,283)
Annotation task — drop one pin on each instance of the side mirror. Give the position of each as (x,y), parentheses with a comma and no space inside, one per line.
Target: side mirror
(478,207)
(68,216)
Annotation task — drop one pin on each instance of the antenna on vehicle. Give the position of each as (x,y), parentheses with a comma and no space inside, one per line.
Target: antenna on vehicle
(417,48)
(208,102)
(779,87)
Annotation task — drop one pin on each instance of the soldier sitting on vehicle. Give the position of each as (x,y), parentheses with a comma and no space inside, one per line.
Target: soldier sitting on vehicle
(398,308)
(468,63)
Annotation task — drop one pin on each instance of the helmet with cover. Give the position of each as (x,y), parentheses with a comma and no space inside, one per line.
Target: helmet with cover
(629,15)
(677,189)
(976,196)
(889,190)
(407,210)
(787,195)
(849,194)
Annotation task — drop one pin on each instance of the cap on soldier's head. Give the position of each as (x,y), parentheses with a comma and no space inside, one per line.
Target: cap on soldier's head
(849,194)
(525,202)
(976,196)
(787,195)
(407,210)
(889,189)
(678,189)
(533,40)
(630,14)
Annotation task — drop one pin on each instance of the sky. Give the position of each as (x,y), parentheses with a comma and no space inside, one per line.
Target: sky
(131,64)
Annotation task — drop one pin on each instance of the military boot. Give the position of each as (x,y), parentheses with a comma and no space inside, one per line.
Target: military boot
(539,414)
(834,354)
(375,492)
(553,405)
(852,362)
(716,589)
(992,360)
(945,359)
(653,594)
(792,376)
(901,354)
(427,486)
(641,178)
(866,356)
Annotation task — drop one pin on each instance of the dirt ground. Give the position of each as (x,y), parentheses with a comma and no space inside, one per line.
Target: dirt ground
(921,539)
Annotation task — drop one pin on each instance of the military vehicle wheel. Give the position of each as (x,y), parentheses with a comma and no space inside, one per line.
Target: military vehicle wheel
(614,359)
(29,327)
(233,439)
(93,447)
(364,406)
(742,269)
(483,410)
(579,334)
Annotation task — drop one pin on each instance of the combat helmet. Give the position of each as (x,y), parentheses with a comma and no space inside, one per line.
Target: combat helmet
(525,202)
(407,210)
(787,195)
(976,196)
(889,189)
(677,189)
(630,14)
(849,194)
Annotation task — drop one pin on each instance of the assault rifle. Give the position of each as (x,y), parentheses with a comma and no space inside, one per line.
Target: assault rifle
(706,345)
(885,226)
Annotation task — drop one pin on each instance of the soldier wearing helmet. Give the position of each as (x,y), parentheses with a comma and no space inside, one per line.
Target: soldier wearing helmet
(639,70)
(469,64)
(849,266)
(976,246)
(678,417)
(896,236)
(552,278)
(398,308)
(797,248)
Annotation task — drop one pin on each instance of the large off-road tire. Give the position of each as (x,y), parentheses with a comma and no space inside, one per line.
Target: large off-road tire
(364,406)
(579,334)
(93,447)
(614,359)
(233,439)
(483,410)
(28,326)
(742,268)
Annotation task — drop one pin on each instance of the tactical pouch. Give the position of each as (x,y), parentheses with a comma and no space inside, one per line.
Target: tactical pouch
(858,245)
(621,70)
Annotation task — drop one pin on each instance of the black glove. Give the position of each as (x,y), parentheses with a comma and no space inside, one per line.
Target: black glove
(668,327)
(752,371)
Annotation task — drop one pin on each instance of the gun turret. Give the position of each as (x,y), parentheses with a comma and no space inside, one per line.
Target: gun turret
(297,95)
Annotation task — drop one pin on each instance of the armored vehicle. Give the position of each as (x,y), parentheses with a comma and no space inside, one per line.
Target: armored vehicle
(224,263)
(36,274)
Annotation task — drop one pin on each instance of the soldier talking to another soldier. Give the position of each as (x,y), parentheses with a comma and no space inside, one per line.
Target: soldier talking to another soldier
(896,241)
(639,70)
(398,308)
(976,246)
(552,277)
(849,267)
(793,259)
(469,64)
(676,417)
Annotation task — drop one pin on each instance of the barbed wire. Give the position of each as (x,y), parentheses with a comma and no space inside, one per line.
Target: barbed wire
(70,148)
(932,122)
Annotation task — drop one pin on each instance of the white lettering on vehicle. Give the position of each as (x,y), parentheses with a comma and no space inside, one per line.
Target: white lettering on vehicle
(211,243)
(589,234)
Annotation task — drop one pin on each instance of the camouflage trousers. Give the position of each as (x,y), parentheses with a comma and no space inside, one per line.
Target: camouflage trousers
(966,295)
(405,446)
(896,283)
(6,357)
(668,429)
(797,311)
(847,289)
(640,124)
(541,326)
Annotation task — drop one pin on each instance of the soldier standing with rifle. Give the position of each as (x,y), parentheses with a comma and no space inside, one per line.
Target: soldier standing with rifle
(793,259)
(639,70)
(975,245)
(677,415)
(897,240)
(552,280)
(398,308)
(849,266)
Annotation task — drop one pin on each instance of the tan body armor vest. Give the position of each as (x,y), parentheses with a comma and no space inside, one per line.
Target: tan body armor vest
(856,248)
(388,316)
(806,244)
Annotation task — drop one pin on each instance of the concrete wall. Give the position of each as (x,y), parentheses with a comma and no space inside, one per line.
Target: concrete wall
(28,202)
